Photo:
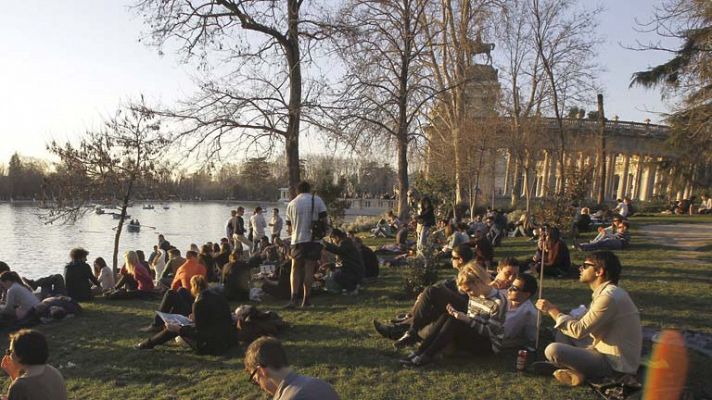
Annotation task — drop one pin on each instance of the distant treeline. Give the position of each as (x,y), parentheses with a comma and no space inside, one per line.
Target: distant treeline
(254,179)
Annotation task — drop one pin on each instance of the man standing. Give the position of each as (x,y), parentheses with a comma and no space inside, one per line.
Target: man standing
(612,321)
(266,362)
(164,245)
(302,212)
(258,224)
(238,224)
(229,225)
(276,223)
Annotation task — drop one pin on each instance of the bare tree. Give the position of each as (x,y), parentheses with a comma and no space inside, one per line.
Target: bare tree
(111,164)
(523,93)
(263,46)
(451,29)
(385,86)
(565,39)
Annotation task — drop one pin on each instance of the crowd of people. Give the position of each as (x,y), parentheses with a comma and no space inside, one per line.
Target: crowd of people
(486,308)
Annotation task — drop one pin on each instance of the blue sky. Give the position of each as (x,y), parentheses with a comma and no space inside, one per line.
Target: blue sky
(68,64)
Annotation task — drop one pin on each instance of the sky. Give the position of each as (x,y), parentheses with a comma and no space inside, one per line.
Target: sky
(67,65)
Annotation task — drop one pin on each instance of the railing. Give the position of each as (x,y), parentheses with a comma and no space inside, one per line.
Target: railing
(357,204)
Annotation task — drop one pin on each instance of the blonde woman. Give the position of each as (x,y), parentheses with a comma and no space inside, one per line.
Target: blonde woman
(135,281)
(479,330)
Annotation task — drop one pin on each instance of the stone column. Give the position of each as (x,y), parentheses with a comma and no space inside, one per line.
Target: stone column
(546,171)
(659,178)
(652,170)
(637,178)
(507,172)
(623,182)
(610,171)
(554,171)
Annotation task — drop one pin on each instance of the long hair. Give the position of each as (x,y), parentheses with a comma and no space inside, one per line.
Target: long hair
(198,283)
(132,261)
(471,273)
(101,263)
(12,276)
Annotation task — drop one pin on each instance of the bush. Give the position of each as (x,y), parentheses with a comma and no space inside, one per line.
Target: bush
(362,223)
(417,275)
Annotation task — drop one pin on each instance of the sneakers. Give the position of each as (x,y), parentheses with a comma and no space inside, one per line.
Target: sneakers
(568,377)
(408,339)
(144,346)
(415,361)
(393,332)
(151,329)
(543,368)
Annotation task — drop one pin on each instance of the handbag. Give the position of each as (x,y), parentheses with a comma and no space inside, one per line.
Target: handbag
(318,226)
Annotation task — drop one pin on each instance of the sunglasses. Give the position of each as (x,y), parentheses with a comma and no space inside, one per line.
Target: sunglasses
(252,377)
(8,352)
(515,289)
(586,265)
(456,258)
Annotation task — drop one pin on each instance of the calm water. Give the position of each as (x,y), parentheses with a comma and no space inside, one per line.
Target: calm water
(35,249)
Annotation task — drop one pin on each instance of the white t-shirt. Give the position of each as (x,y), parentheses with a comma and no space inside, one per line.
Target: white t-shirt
(298,216)
(106,276)
(19,301)
(258,226)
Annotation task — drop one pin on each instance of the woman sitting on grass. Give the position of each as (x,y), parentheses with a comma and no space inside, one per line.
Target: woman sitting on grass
(105,276)
(135,281)
(213,331)
(25,362)
(19,300)
(480,330)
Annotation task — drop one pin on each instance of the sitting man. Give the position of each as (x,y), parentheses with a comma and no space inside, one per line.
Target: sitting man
(382,229)
(175,260)
(507,272)
(266,362)
(349,269)
(612,321)
(494,232)
(520,321)
(371,266)
(429,305)
(706,205)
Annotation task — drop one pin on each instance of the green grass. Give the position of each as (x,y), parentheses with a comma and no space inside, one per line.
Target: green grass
(335,340)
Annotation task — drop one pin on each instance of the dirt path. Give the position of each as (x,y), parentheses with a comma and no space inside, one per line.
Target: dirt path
(686,237)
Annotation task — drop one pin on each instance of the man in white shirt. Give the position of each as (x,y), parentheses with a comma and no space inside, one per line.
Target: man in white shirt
(258,224)
(276,223)
(302,212)
(612,321)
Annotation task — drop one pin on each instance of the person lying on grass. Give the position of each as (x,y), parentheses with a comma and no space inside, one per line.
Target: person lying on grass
(612,322)
(266,362)
(214,330)
(479,330)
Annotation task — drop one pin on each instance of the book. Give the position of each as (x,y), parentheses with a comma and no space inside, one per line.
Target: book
(175,319)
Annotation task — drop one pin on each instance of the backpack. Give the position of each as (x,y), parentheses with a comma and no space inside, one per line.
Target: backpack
(254,323)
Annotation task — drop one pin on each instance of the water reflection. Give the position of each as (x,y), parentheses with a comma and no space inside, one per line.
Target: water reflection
(34,249)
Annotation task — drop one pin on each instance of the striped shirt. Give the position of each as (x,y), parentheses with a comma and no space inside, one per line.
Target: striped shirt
(488,314)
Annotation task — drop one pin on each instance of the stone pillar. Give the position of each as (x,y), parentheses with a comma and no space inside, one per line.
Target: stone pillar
(652,170)
(610,171)
(637,178)
(554,171)
(623,182)
(659,178)
(507,172)
(546,171)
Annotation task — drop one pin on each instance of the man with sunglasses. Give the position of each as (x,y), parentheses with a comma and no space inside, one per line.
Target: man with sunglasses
(520,322)
(266,362)
(612,321)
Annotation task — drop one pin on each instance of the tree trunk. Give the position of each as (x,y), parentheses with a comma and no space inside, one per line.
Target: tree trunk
(516,185)
(295,95)
(120,226)
(403,184)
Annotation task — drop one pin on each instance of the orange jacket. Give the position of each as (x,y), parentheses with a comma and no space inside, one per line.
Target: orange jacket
(185,272)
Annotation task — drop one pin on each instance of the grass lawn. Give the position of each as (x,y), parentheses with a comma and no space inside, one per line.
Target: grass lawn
(336,341)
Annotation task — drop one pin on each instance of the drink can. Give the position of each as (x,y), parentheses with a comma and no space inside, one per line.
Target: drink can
(521,360)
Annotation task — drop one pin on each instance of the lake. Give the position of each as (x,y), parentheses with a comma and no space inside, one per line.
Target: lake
(34,249)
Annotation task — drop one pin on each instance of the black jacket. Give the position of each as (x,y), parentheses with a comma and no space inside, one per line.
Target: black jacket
(349,256)
(78,278)
(214,332)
